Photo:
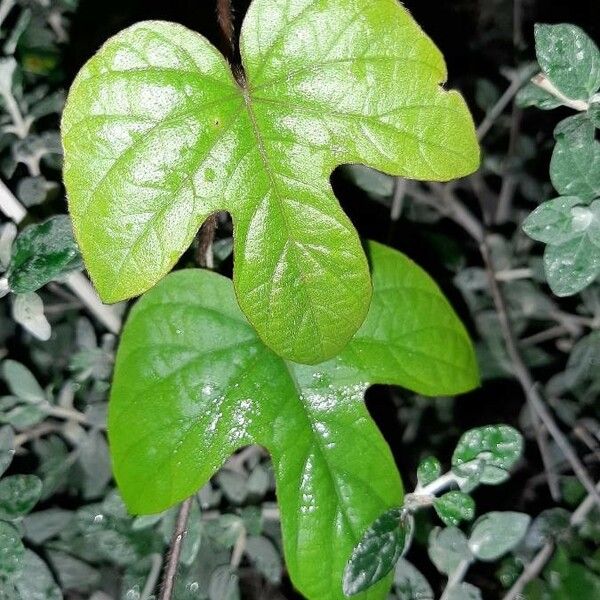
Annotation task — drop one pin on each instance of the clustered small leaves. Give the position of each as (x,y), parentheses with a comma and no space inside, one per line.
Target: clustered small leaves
(569,225)
(482,456)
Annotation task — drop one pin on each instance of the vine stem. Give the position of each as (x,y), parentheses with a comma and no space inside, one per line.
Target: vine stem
(529,386)
(204,258)
(457,576)
(168,584)
(226,26)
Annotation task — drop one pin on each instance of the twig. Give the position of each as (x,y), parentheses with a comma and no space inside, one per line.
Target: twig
(504,100)
(153,576)
(5,7)
(528,385)
(456,577)
(226,27)
(543,336)
(545,84)
(534,568)
(206,237)
(457,211)
(168,585)
(239,548)
(400,187)
(509,179)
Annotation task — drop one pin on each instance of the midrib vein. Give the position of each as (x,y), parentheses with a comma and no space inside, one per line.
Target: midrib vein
(265,160)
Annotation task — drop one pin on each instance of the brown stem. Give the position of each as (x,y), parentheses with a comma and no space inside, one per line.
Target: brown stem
(226,26)
(168,584)
(529,386)
(206,237)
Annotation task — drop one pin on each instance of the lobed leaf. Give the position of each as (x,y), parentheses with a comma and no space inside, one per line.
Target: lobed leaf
(193,383)
(158,135)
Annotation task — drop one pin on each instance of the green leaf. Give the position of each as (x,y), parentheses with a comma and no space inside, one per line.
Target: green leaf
(18,495)
(7,447)
(572,231)
(496,448)
(448,548)
(34,580)
(557,221)
(41,253)
(570,59)
(193,383)
(410,584)
(534,95)
(21,382)
(11,550)
(158,135)
(573,264)
(454,507)
(575,164)
(265,557)
(496,533)
(429,470)
(377,552)
(569,579)
(463,591)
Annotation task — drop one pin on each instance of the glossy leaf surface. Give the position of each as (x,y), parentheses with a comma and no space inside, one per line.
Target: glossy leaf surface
(454,507)
(158,135)
(193,383)
(570,59)
(575,165)
(42,252)
(487,453)
(377,552)
(572,231)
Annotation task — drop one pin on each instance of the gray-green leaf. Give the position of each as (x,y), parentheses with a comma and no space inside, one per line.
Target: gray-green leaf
(410,584)
(570,59)
(7,448)
(575,164)
(496,533)
(448,548)
(11,549)
(18,495)
(21,382)
(534,95)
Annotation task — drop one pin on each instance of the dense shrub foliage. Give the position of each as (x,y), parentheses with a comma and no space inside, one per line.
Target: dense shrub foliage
(499,484)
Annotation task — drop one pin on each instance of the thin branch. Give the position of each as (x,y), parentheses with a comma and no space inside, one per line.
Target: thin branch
(226,27)
(152,578)
(168,585)
(492,115)
(534,568)
(527,382)
(456,577)
(206,237)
